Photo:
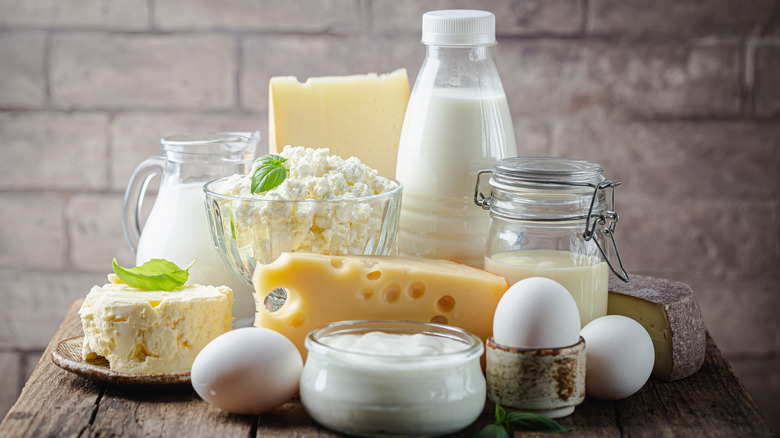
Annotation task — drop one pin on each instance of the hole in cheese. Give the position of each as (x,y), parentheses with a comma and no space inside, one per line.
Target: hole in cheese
(439,319)
(445,304)
(373,275)
(391,293)
(416,290)
(296,320)
(337,263)
(275,300)
(366,294)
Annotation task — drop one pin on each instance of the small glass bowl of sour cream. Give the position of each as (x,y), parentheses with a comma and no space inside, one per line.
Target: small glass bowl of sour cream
(384,377)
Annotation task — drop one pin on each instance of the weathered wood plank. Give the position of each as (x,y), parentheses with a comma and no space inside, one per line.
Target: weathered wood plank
(53,402)
(712,402)
(162,413)
(57,403)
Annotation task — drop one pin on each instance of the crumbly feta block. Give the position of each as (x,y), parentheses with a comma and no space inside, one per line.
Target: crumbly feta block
(140,331)
(324,228)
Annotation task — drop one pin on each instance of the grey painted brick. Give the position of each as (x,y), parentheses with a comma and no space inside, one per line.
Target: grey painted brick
(740,315)
(136,136)
(33,231)
(98,14)
(307,16)
(143,71)
(534,138)
(50,150)
(598,79)
(680,160)
(10,363)
(680,18)
(766,87)
(717,239)
(95,232)
(22,70)
(30,360)
(761,377)
(303,57)
(394,52)
(518,17)
(35,304)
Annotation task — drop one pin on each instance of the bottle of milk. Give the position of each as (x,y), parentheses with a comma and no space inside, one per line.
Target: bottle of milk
(456,124)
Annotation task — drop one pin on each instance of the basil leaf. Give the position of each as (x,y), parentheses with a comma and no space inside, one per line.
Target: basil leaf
(529,422)
(500,415)
(493,431)
(270,174)
(156,274)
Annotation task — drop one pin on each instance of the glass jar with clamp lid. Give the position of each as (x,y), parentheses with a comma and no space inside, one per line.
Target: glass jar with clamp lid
(550,217)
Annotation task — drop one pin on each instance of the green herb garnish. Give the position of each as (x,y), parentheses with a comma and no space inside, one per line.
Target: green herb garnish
(519,421)
(156,274)
(270,174)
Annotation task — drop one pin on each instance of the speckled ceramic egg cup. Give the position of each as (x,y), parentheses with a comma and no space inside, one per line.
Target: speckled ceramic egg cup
(547,381)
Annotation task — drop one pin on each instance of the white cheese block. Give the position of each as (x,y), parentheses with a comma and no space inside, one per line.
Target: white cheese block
(356,115)
(669,312)
(140,331)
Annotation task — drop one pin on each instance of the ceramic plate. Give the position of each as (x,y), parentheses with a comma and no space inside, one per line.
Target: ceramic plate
(67,355)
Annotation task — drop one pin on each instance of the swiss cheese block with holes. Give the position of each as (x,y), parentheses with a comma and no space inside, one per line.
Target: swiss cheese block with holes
(322,289)
(356,115)
(668,311)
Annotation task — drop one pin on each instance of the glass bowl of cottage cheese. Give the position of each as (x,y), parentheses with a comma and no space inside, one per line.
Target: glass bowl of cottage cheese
(325,204)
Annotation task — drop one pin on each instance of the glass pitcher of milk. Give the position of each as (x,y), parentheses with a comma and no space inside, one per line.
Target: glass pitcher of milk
(177,228)
(457,123)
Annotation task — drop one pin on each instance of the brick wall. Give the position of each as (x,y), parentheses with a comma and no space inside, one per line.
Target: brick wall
(679,99)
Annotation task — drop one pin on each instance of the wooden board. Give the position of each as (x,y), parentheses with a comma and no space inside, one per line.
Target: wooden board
(55,402)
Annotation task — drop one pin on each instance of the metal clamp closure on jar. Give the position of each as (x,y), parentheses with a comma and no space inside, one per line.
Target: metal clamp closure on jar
(553,177)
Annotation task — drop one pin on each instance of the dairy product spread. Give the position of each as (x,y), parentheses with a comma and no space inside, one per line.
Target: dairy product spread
(321,227)
(403,379)
(140,331)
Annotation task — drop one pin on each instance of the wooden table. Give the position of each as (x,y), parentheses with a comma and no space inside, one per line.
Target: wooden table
(55,402)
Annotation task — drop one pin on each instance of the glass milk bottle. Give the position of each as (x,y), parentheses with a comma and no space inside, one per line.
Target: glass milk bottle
(457,123)
(177,228)
(551,217)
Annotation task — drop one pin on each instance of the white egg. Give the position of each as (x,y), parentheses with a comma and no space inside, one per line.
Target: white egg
(247,371)
(536,312)
(619,357)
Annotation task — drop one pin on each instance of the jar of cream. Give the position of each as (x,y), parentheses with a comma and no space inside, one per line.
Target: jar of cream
(382,377)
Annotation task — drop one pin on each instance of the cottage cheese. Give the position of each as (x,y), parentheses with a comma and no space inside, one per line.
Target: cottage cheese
(338,226)
(140,331)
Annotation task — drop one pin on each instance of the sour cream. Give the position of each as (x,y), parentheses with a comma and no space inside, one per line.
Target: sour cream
(393,378)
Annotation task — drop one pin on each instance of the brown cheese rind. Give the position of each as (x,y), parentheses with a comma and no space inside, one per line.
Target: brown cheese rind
(687,335)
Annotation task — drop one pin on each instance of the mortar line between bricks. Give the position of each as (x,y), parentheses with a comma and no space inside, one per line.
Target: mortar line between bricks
(586,17)
(111,111)
(239,69)
(21,375)
(47,49)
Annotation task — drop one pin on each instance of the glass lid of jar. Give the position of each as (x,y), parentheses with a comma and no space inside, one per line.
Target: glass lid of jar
(518,170)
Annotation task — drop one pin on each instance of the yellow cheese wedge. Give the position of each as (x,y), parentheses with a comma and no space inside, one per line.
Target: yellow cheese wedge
(322,289)
(357,115)
(669,312)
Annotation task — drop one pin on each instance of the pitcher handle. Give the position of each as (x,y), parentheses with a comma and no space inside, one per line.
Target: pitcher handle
(134,198)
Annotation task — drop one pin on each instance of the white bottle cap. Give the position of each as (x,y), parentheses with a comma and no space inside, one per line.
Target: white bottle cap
(459,27)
